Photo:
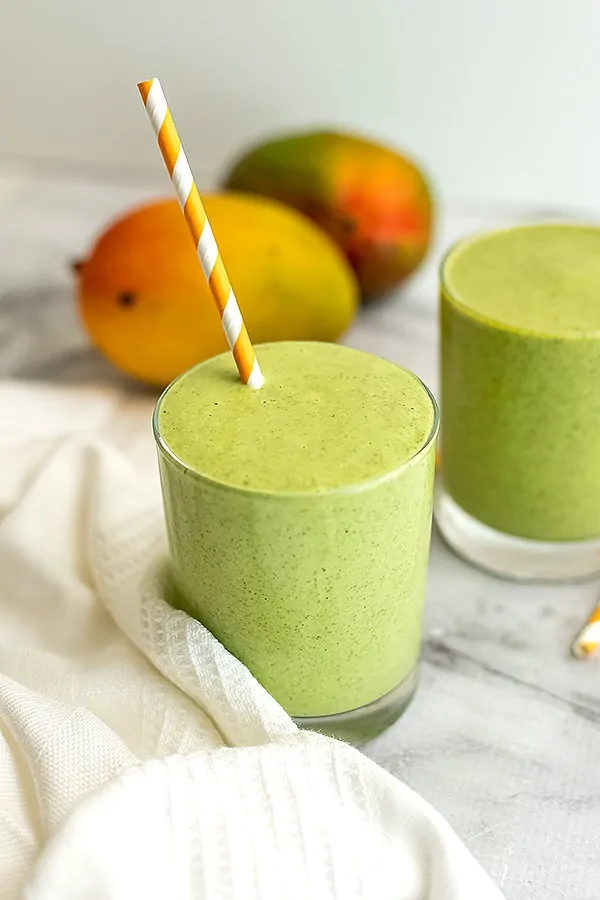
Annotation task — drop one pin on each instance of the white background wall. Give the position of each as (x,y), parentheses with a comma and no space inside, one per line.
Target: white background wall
(500,99)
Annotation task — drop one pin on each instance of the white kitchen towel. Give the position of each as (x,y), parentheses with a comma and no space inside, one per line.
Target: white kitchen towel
(138,759)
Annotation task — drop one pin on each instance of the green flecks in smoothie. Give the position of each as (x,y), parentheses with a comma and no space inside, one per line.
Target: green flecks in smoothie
(319,592)
(543,279)
(330,418)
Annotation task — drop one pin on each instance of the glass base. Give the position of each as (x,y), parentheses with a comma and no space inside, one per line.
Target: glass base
(517,558)
(361,725)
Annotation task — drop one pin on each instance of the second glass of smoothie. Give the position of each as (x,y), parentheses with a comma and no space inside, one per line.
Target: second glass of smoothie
(299,522)
(520,319)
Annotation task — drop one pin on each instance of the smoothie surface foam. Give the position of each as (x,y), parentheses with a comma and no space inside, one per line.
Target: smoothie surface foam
(326,417)
(539,279)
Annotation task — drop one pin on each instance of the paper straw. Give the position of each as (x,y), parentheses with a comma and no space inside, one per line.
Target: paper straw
(588,639)
(178,167)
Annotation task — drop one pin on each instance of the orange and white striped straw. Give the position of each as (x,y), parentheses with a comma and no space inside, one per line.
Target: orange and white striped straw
(588,640)
(179,169)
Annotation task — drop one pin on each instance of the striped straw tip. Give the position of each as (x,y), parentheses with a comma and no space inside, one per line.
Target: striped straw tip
(144,87)
(587,642)
(581,650)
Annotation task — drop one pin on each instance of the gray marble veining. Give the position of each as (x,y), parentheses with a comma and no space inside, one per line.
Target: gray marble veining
(504,735)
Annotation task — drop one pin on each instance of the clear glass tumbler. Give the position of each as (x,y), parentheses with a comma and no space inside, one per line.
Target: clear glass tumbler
(299,522)
(520,363)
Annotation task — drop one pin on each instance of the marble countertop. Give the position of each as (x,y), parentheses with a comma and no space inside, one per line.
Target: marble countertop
(503,737)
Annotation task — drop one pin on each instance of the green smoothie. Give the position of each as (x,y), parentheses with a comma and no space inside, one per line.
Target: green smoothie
(520,312)
(299,517)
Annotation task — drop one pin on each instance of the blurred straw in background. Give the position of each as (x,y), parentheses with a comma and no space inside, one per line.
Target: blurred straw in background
(588,639)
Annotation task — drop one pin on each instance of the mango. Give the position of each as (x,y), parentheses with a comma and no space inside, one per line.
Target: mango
(146,306)
(373,202)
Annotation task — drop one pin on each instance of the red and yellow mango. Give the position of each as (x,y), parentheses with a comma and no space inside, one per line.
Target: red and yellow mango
(373,202)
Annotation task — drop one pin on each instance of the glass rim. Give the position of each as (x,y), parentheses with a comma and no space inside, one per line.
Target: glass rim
(462,307)
(352,488)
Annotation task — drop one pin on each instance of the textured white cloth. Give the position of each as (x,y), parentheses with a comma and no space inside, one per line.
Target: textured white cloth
(138,759)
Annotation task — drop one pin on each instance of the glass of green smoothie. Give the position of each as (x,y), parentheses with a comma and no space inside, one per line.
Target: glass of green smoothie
(520,359)
(298,518)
